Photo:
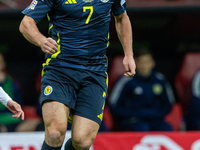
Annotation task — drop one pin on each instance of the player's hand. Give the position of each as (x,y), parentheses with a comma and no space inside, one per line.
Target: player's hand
(49,46)
(16,109)
(129,65)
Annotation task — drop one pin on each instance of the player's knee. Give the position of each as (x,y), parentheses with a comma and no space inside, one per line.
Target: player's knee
(55,135)
(82,143)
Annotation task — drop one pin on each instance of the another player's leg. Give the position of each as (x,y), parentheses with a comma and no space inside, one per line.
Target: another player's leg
(55,115)
(84,132)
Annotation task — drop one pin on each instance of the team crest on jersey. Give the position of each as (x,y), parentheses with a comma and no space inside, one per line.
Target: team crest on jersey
(157,89)
(48,90)
(33,4)
(123,2)
(104,1)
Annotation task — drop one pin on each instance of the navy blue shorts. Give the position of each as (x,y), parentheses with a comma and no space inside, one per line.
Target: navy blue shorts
(83,91)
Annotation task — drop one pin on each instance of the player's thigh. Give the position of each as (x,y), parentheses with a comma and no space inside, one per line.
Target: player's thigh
(55,114)
(91,97)
(84,129)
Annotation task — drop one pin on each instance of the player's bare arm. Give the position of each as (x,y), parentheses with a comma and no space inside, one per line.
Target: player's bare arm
(30,31)
(124,31)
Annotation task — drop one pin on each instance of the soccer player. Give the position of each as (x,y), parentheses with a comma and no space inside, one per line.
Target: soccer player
(73,85)
(11,105)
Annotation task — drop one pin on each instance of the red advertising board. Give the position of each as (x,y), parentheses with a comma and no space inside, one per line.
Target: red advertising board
(148,141)
(111,141)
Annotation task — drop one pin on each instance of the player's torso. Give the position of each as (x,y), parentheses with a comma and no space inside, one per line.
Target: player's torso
(81,14)
(81,27)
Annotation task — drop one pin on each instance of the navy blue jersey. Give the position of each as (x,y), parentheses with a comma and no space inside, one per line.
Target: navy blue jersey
(81,29)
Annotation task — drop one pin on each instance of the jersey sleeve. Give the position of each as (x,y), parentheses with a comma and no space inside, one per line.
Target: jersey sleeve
(38,9)
(118,7)
(4,98)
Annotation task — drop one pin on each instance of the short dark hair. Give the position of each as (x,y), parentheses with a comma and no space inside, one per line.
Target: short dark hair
(142,51)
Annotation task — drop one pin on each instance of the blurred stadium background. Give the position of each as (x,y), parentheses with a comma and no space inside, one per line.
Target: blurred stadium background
(169,28)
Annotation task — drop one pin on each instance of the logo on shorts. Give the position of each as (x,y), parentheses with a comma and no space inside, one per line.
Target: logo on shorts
(104,94)
(104,1)
(33,4)
(48,90)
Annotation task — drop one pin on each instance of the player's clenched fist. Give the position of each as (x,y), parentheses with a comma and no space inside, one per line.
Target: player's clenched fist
(49,46)
(129,65)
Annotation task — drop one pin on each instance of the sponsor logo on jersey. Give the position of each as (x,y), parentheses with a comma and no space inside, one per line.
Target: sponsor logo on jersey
(104,1)
(33,4)
(157,89)
(71,2)
(123,2)
(87,1)
(48,90)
